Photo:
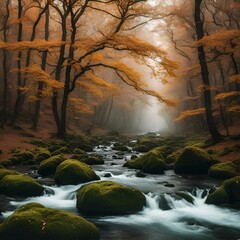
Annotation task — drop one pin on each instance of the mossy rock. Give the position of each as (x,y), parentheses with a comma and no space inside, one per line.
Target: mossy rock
(79,151)
(61,150)
(228,192)
(24,156)
(151,162)
(224,170)
(4,172)
(193,160)
(34,221)
(79,156)
(49,166)
(120,147)
(20,185)
(93,160)
(109,198)
(172,158)
(42,154)
(74,172)
(140,148)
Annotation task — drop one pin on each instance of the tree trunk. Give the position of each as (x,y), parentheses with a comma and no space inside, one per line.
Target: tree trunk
(205,74)
(19,64)
(43,66)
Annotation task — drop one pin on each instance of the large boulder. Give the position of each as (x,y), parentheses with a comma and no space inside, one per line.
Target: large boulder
(109,198)
(151,162)
(34,221)
(228,192)
(193,160)
(225,170)
(20,185)
(49,166)
(74,172)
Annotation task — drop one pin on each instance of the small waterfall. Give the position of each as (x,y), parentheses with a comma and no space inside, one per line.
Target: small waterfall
(152,201)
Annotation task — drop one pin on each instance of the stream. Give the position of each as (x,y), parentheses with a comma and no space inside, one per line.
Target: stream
(164,217)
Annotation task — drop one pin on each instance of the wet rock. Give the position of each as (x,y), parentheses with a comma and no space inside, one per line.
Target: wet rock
(225,170)
(193,160)
(228,192)
(109,198)
(74,172)
(170,185)
(140,175)
(34,221)
(49,166)
(20,185)
(108,175)
(151,162)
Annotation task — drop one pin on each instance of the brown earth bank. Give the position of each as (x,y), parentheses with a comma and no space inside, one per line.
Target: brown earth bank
(20,137)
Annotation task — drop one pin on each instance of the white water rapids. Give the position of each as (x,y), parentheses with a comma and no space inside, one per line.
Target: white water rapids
(182,216)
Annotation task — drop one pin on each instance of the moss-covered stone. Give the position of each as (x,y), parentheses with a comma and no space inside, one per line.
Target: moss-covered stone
(228,192)
(20,185)
(49,166)
(93,160)
(107,198)
(74,172)
(141,148)
(61,150)
(4,172)
(224,170)
(193,160)
(34,221)
(79,151)
(120,147)
(24,156)
(42,154)
(151,162)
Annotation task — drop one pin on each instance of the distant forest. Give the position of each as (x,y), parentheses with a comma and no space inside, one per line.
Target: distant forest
(95,63)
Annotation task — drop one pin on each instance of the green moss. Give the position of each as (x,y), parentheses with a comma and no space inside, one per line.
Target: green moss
(61,150)
(34,221)
(20,185)
(224,170)
(4,172)
(74,172)
(79,151)
(49,166)
(228,192)
(172,158)
(151,162)
(108,197)
(42,154)
(93,160)
(193,160)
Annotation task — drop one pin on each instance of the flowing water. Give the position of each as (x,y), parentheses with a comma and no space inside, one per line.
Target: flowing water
(164,217)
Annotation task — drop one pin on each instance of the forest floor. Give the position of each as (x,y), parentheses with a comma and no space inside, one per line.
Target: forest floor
(20,138)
